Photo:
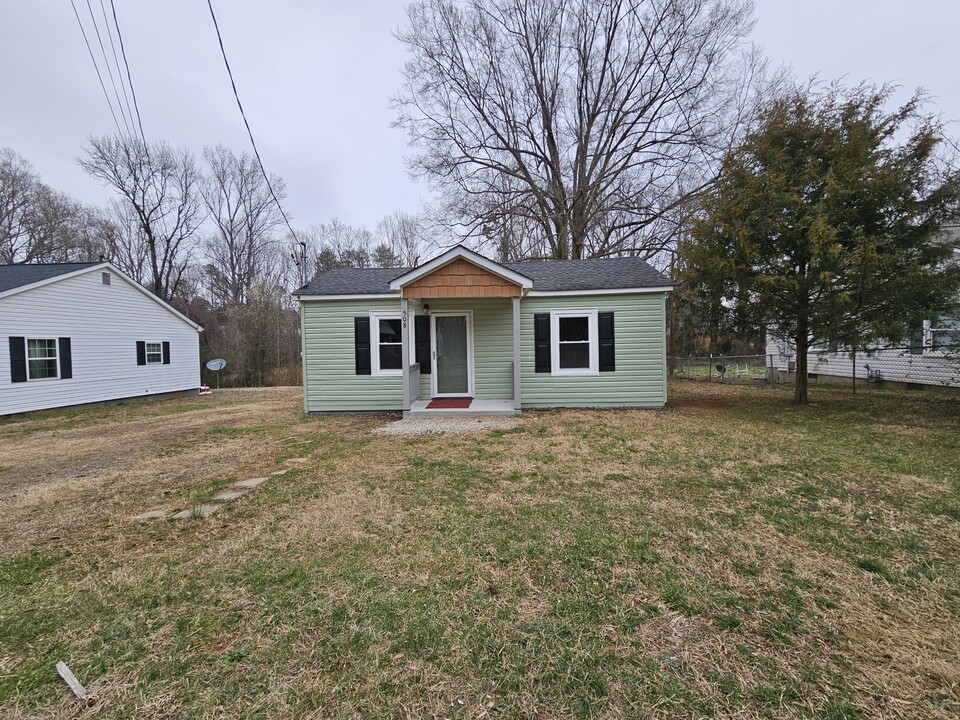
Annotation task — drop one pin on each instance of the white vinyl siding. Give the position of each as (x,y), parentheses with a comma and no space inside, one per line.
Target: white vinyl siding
(104,323)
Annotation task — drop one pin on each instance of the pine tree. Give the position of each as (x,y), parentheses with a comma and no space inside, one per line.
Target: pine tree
(825,223)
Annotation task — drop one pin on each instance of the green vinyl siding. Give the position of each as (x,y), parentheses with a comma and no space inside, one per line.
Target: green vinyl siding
(492,344)
(640,376)
(330,382)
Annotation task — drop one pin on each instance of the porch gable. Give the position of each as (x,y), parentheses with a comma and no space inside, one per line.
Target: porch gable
(460,279)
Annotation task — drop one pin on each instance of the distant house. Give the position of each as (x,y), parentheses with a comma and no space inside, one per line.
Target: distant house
(78,333)
(462,333)
(930,356)
(930,360)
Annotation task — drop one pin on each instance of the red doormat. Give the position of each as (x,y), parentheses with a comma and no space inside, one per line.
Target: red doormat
(449,403)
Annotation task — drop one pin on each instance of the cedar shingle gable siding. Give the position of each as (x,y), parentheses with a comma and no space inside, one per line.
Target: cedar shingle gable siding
(460,279)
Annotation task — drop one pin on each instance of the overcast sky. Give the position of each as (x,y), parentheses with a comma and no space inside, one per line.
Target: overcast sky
(315,79)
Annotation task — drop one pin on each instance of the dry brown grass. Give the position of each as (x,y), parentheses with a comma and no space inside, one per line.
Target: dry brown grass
(732,556)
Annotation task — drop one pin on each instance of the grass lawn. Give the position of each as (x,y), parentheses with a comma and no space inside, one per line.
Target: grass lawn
(733,556)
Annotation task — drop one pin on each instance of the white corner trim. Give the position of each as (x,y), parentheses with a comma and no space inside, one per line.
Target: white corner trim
(467,254)
(96,268)
(358,296)
(606,291)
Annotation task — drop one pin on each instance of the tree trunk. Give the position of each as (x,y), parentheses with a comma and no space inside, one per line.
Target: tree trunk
(853,358)
(802,341)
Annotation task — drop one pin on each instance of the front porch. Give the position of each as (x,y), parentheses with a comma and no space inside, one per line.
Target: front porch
(479,407)
(467,342)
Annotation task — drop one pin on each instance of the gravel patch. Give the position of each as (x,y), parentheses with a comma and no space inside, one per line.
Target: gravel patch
(422,426)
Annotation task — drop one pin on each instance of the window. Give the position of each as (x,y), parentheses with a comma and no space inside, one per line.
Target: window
(575,350)
(42,361)
(945,335)
(386,343)
(154,353)
(105,278)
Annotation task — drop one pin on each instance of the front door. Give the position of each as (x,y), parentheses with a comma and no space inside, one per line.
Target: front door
(452,341)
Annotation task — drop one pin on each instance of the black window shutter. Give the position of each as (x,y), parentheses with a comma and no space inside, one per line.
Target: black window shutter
(18,359)
(421,330)
(166,353)
(361,343)
(541,343)
(66,359)
(141,352)
(605,330)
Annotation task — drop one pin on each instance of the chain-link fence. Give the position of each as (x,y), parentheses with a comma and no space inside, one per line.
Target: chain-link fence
(919,366)
(723,368)
(916,365)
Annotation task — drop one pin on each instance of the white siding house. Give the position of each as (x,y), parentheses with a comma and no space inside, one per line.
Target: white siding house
(82,333)
(931,360)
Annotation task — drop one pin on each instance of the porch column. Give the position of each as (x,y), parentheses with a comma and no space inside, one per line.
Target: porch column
(405,350)
(516,353)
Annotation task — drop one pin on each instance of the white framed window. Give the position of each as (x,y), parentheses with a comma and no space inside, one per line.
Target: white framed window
(43,362)
(154,353)
(386,344)
(943,336)
(574,342)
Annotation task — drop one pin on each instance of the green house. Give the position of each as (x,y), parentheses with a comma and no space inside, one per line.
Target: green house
(463,334)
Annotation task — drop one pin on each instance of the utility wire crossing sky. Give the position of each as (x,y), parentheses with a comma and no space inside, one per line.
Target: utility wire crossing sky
(316,79)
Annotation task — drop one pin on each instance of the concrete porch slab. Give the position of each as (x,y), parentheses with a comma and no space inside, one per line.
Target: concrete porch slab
(478,408)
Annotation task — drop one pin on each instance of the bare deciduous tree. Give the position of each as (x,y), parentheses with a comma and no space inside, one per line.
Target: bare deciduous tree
(123,240)
(160,187)
(37,223)
(591,121)
(243,245)
(17,184)
(405,235)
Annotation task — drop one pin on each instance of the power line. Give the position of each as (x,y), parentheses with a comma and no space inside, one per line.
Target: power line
(106,62)
(96,67)
(116,60)
(123,53)
(253,143)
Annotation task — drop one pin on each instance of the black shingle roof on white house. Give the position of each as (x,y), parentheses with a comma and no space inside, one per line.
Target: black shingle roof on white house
(547,276)
(14,276)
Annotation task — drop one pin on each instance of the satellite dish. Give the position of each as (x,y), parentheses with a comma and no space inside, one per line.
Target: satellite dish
(216,365)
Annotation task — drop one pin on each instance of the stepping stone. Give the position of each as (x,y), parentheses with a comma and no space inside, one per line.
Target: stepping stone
(229,495)
(152,514)
(280,472)
(251,483)
(198,511)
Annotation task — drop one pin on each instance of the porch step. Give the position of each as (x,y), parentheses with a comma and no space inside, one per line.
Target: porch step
(478,408)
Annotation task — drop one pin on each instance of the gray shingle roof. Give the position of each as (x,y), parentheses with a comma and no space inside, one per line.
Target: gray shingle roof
(596,274)
(14,276)
(547,275)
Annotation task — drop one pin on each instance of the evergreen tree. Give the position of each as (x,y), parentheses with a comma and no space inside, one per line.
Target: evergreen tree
(826,222)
